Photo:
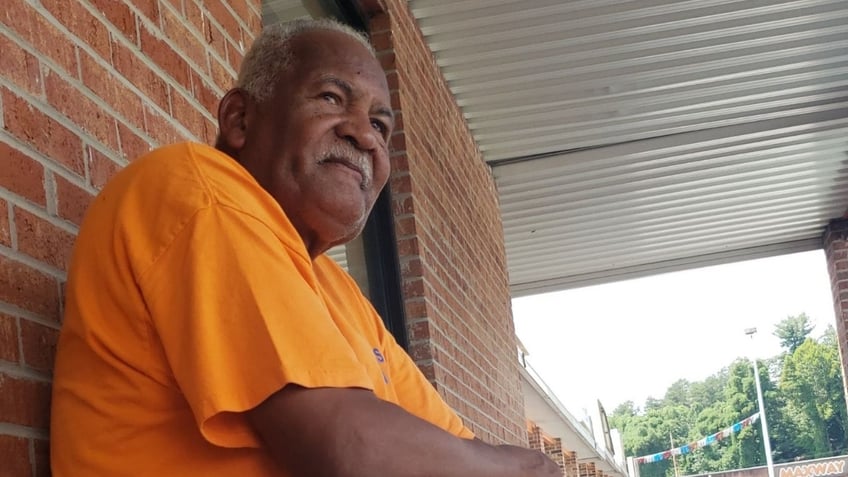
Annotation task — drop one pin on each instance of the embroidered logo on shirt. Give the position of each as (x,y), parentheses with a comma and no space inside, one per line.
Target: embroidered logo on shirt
(380,359)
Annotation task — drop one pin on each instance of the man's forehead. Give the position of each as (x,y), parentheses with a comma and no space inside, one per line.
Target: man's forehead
(318,45)
(327,50)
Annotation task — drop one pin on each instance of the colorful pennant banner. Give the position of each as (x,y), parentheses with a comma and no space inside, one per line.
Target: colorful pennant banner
(711,439)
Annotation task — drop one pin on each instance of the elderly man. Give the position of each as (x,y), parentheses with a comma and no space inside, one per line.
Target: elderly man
(206,333)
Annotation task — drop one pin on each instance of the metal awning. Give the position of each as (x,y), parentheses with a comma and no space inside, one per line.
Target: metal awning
(634,137)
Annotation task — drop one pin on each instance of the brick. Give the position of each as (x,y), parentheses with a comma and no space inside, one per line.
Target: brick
(196,18)
(441,221)
(21,174)
(205,94)
(119,15)
(408,247)
(405,206)
(82,111)
(245,13)
(104,83)
(42,240)
(44,133)
(130,66)
(392,80)
(159,129)
(381,41)
(223,17)
(399,161)
(187,41)
(24,402)
(14,454)
(9,338)
(398,141)
(100,167)
(42,458)
(72,200)
(165,57)
(27,288)
(413,289)
(405,227)
(5,229)
(401,184)
(88,28)
(148,8)
(214,37)
(420,351)
(20,67)
(221,76)
(19,16)
(387,60)
(132,145)
(39,345)
(419,331)
(174,4)
(187,114)
(380,23)
(412,267)
(416,309)
(234,57)
(211,131)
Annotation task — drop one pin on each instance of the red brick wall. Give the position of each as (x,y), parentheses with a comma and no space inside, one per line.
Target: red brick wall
(85,86)
(450,239)
(569,459)
(835,241)
(552,447)
(534,437)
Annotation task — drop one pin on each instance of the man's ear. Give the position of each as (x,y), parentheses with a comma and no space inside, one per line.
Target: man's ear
(232,119)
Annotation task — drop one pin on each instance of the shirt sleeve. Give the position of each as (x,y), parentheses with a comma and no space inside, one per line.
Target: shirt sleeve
(416,394)
(239,318)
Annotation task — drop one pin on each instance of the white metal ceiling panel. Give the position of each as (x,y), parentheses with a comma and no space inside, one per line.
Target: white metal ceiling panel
(275,11)
(631,137)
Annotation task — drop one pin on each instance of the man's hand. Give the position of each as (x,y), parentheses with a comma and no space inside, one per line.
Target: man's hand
(539,464)
(350,433)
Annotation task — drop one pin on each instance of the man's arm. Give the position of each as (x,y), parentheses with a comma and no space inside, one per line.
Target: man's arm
(344,432)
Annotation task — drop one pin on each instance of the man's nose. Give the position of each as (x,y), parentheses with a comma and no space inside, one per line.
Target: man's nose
(358,131)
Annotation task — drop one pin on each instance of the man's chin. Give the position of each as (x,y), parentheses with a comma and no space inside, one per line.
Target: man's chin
(342,232)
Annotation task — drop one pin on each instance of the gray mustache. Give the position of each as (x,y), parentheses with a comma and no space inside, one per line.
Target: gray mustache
(358,159)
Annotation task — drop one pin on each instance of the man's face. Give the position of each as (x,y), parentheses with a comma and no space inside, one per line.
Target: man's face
(320,145)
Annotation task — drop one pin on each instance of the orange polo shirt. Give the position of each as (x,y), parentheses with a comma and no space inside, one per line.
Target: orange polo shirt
(191,299)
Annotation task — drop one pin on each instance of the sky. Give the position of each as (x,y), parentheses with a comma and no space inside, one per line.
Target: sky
(630,340)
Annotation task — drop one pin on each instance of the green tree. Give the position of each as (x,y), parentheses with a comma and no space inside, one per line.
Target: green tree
(812,383)
(793,330)
(804,400)
(740,395)
(649,433)
(705,393)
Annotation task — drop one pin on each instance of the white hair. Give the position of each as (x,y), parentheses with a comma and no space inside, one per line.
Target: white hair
(271,53)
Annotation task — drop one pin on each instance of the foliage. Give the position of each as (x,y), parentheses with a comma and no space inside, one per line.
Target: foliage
(812,380)
(793,331)
(804,399)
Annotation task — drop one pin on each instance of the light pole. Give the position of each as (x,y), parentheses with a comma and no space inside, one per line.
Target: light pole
(769,464)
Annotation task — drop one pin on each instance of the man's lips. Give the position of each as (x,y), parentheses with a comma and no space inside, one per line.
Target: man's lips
(349,165)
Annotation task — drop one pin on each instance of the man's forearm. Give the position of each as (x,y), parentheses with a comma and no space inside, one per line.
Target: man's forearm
(351,433)
(403,445)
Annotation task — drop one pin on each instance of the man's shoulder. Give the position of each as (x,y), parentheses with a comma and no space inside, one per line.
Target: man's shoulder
(341,289)
(184,161)
(175,177)
(331,273)
(164,182)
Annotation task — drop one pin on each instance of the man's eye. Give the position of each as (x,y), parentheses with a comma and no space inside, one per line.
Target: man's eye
(379,126)
(331,98)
